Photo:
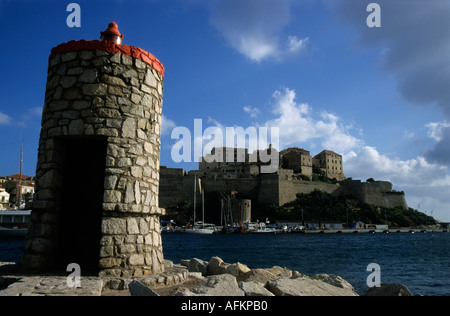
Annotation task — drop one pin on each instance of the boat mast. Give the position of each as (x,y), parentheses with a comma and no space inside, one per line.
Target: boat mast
(221,212)
(20,176)
(195,195)
(203,207)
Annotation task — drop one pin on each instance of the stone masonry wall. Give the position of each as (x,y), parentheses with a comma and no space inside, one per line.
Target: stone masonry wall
(116,97)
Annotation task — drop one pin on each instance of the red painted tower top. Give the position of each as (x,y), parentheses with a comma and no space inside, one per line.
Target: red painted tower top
(111,41)
(112,34)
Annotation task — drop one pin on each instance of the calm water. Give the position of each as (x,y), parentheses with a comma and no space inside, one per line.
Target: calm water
(420,261)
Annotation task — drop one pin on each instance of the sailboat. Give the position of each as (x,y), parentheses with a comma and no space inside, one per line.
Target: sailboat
(200,227)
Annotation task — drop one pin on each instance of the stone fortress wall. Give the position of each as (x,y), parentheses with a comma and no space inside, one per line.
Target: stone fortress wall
(274,189)
(235,171)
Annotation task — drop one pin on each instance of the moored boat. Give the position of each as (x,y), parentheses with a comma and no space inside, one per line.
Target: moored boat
(264,230)
(201,228)
(200,231)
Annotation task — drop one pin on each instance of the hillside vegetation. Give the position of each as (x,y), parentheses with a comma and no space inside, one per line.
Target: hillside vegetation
(321,206)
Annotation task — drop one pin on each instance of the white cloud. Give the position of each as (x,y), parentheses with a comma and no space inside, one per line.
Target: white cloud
(408,134)
(253,28)
(296,45)
(436,130)
(253,112)
(4,119)
(368,162)
(167,125)
(424,183)
(297,124)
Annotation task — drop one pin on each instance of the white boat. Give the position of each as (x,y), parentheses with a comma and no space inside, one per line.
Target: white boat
(201,228)
(261,228)
(200,231)
(264,230)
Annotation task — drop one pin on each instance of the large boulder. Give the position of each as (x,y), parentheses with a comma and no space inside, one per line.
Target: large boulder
(280,272)
(238,269)
(136,288)
(334,280)
(253,288)
(258,275)
(305,287)
(198,265)
(217,266)
(218,285)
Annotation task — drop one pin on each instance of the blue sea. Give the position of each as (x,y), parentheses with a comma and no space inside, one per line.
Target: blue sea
(421,261)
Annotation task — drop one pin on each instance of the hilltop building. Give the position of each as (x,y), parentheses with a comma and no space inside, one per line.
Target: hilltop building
(234,163)
(330,164)
(298,160)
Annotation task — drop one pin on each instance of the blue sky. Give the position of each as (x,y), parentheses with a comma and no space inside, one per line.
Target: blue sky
(378,96)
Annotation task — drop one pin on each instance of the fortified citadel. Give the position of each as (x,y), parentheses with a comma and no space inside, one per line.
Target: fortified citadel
(298,172)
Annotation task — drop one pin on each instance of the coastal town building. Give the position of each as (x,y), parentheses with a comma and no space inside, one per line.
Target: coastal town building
(19,185)
(4,200)
(12,185)
(3,181)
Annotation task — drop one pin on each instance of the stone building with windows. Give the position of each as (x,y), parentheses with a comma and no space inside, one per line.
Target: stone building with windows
(223,156)
(330,163)
(299,160)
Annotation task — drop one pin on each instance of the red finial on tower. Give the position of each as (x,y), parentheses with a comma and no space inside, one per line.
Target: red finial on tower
(112,34)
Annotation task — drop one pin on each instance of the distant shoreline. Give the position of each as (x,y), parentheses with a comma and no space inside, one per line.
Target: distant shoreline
(342,231)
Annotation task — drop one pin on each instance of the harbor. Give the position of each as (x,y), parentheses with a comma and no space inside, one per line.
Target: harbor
(15,224)
(419,259)
(257,228)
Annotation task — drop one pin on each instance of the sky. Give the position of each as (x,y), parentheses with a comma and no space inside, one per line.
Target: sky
(379,96)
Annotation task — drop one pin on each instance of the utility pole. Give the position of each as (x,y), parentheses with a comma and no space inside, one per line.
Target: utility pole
(20,178)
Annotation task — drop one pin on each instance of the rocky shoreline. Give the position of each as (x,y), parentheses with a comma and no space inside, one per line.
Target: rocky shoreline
(192,277)
(224,279)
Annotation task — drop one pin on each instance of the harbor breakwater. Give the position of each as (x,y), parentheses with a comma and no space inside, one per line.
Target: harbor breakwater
(193,277)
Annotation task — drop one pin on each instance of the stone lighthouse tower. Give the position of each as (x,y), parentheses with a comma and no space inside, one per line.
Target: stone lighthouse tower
(96,200)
